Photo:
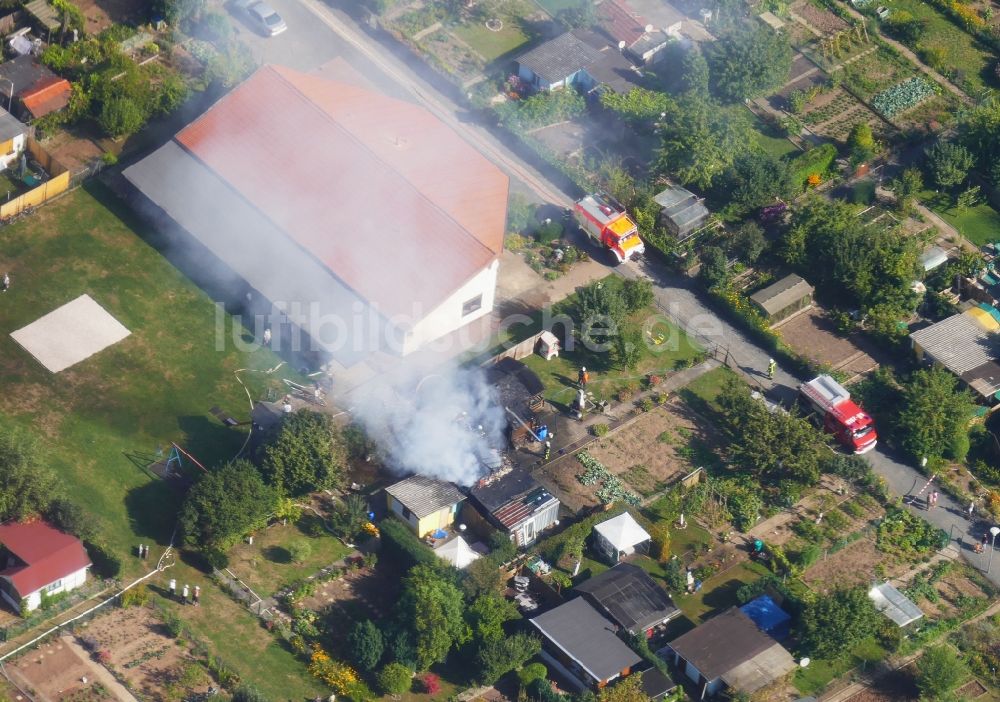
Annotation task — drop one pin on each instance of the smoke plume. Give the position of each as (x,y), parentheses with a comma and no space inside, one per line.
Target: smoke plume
(445,425)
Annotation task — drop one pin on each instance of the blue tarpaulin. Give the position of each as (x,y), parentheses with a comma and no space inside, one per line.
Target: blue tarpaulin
(768,616)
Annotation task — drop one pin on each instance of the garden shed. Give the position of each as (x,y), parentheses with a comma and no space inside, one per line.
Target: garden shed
(779,300)
(620,536)
(894,604)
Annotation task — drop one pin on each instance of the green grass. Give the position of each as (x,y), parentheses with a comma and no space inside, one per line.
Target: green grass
(877,71)
(707,386)
(718,592)
(964,59)
(102,420)
(488,44)
(979,224)
(553,7)
(266,564)
(773,142)
(813,679)
(560,374)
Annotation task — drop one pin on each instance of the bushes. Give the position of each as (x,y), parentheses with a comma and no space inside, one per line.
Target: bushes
(138,596)
(530,673)
(429,683)
(907,536)
(401,545)
(816,160)
(107,564)
(540,110)
(394,679)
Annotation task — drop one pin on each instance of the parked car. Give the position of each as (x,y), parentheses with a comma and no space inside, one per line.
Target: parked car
(262,16)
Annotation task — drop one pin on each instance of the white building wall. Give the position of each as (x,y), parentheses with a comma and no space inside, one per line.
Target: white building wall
(447,317)
(397,509)
(68,583)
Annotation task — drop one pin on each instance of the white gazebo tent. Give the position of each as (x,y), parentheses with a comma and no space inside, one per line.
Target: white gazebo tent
(620,536)
(457,552)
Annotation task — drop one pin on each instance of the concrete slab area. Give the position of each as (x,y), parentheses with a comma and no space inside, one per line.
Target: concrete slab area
(70,334)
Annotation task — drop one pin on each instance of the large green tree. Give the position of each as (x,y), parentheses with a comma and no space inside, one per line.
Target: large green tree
(497,657)
(27,484)
(366,644)
(694,74)
(933,417)
(753,180)
(848,260)
(750,62)
(949,164)
(307,453)
(833,623)
(487,615)
(639,106)
(979,132)
(939,671)
(770,446)
(225,504)
(701,139)
(432,609)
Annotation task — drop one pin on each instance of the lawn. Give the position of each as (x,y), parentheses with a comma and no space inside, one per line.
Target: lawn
(814,678)
(960,56)
(266,565)
(979,224)
(554,7)
(877,71)
(719,592)
(707,386)
(773,142)
(665,348)
(489,44)
(103,420)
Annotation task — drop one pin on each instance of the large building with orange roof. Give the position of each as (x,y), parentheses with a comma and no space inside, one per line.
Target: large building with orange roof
(369,223)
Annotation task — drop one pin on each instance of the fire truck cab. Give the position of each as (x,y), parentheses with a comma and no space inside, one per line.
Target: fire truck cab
(607,223)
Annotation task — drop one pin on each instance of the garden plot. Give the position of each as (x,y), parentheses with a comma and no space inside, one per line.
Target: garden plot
(820,19)
(834,113)
(135,644)
(647,454)
(850,566)
(814,336)
(366,593)
(59,671)
(945,589)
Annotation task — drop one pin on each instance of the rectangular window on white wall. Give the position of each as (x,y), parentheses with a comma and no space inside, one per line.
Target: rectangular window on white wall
(473,305)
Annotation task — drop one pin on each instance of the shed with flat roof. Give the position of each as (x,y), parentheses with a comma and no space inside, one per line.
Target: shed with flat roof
(779,300)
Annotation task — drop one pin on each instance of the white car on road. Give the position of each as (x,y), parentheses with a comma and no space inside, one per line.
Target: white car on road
(262,16)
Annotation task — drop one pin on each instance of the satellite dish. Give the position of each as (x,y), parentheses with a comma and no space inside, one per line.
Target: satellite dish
(462,527)
(648,28)
(621,45)
(805,662)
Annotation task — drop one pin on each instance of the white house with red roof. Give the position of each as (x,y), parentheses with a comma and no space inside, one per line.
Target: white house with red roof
(38,559)
(360,216)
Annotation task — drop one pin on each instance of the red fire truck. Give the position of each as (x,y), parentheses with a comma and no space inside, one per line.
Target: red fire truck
(607,223)
(841,416)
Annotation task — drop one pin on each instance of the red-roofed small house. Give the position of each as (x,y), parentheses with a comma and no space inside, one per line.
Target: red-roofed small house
(38,560)
(46,96)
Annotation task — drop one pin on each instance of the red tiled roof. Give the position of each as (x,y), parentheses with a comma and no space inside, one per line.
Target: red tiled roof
(46,96)
(47,553)
(621,22)
(394,203)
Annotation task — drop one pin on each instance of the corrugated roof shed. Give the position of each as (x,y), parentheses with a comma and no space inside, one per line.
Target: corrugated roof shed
(682,207)
(894,604)
(958,343)
(10,126)
(620,21)
(761,670)
(24,72)
(45,13)
(659,13)
(629,596)
(559,58)
(722,643)
(424,496)
(583,634)
(782,294)
(46,96)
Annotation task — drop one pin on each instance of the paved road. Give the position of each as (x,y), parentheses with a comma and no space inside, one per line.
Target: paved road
(674,293)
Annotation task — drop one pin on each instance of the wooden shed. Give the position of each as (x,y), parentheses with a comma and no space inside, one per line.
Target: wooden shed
(779,300)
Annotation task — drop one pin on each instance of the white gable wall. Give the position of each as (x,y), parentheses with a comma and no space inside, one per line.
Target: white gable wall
(34,599)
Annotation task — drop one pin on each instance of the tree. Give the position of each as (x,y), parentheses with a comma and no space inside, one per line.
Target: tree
(700,139)
(299,550)
(753,180)
(495,658)
(834,623)
(638,293)
(27,484)
(72,518)
(482,576)
(748,63)
(225,504)
(861,142)
(394,679)
(486,617)
(580,14)
(907,187)
(694,71)
(349,516)
(939,671)
(639,106)
(933,414)
(248,693)
(949,164)
(661,541)
(859,264)
(121,115)
(627,349)
(520,213)
(748,242)
(306,454)
(432,609)
(713,269)
(177,11)
(627,690)
(530,673)
(366,644)
(970,197)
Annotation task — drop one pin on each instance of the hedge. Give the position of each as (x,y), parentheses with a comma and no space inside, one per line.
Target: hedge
(402,544)
(816,160)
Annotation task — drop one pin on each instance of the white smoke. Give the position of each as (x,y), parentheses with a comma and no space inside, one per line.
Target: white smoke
(444,425)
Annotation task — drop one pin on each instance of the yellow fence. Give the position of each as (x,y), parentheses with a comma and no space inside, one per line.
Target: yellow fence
(57,184)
